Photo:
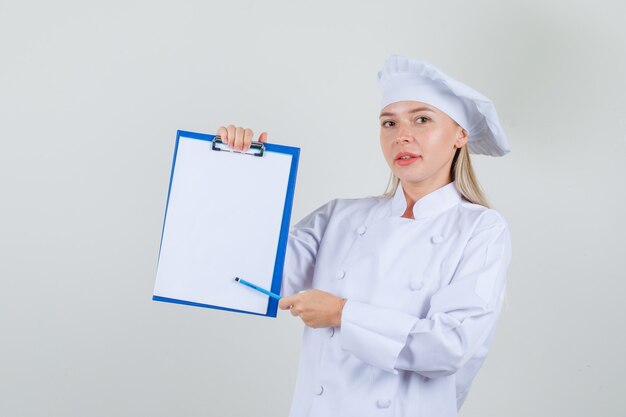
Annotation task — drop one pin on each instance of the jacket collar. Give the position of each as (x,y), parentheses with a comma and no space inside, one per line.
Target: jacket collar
(433,203)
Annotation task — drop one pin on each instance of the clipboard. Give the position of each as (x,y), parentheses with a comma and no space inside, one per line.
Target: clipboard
(227,215)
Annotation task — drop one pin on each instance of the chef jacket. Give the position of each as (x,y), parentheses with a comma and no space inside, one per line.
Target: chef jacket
(423,297)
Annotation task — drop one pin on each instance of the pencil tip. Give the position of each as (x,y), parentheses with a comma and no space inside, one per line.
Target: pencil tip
(236,279)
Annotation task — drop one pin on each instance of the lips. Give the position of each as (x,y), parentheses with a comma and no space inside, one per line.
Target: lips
(406,158)
(405,155)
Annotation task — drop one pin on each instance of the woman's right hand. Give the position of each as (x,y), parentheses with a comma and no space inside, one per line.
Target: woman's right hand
(239,138)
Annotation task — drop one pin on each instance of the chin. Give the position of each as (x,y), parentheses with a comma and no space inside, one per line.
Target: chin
(411,178)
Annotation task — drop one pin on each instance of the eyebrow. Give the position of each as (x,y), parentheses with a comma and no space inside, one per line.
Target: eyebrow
(415,110)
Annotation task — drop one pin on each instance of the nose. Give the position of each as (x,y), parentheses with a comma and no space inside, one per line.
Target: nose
(403,136)
(402,139)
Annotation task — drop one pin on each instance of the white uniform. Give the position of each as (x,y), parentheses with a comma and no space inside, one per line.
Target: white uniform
(423,299)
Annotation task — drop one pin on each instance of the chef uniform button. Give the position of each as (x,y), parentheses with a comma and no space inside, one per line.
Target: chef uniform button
(416,284)
(341,274)
(331,331)
(383,403)
(319,390)
(361,230)
(436,239)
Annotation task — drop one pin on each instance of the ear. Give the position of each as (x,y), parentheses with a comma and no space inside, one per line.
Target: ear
(461,138)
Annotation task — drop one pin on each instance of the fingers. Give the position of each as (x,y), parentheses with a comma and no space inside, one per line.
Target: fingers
(290,303)
(247,139)
(285,303)
(223,133)
(239,138)
(243,139)
(230,134)
(293,302)
(315,307)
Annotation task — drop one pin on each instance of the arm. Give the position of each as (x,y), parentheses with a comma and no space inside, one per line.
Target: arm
(462,314)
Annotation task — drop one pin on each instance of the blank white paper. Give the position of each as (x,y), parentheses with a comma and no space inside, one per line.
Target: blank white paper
(223,220)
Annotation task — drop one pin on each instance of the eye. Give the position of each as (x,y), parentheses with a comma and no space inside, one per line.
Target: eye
(387,123)
(421,119)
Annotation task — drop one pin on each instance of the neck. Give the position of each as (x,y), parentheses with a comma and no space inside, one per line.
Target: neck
(414,191)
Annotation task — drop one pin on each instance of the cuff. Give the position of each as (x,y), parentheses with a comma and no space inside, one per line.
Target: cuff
(373,334)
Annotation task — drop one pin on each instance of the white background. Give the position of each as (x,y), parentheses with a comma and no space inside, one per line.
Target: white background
(91,96)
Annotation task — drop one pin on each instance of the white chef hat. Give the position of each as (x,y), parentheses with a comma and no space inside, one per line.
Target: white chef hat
(406,79)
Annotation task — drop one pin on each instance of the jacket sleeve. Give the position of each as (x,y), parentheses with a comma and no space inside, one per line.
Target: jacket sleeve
(302,246)
(462,314)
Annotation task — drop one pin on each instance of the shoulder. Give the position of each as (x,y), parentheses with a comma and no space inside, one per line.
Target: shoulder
(483,216)
(480,219)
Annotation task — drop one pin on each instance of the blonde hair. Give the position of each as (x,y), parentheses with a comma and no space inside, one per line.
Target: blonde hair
(462,175)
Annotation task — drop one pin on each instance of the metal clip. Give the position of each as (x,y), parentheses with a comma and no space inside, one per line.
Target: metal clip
(256,148)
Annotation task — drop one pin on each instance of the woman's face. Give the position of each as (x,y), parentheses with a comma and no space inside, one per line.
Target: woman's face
(419,142)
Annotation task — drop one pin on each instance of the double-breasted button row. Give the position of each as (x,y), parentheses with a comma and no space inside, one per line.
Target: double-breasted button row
(361,230)
(341,274)
(319,390)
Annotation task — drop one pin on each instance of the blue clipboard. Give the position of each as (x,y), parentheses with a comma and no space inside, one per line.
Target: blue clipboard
(227,215)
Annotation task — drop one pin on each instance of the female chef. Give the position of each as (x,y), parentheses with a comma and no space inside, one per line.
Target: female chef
(400,294)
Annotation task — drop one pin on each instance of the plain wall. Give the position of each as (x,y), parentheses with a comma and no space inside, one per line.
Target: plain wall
(91,96)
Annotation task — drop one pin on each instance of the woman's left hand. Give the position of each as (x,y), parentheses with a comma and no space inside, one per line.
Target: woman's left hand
(316,308)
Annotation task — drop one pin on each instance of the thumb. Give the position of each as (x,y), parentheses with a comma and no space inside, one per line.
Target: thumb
(263,137)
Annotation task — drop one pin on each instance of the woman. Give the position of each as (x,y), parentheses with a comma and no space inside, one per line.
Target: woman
(400,294)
